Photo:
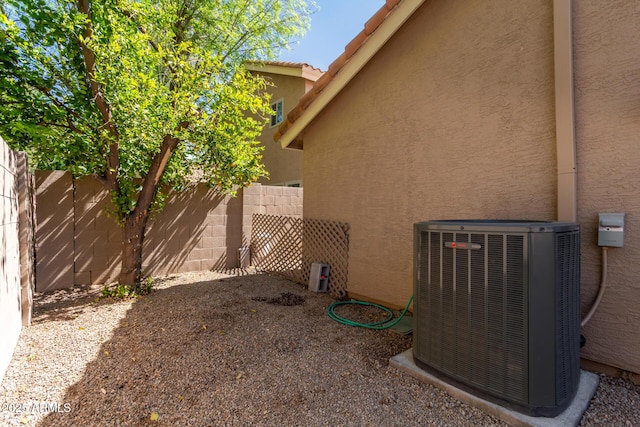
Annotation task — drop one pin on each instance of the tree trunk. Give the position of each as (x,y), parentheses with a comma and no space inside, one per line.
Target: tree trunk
(136,222)
(133,234)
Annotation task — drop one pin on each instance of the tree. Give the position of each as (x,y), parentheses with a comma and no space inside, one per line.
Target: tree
(144,95)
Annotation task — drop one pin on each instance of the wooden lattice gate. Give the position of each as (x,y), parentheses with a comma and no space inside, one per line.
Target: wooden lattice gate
(289,245)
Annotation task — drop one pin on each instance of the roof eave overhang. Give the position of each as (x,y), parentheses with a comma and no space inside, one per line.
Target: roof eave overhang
(405,8)
(302,71)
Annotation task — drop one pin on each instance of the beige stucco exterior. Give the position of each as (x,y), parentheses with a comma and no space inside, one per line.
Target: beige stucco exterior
(607,82)
(288,82)
(454,117)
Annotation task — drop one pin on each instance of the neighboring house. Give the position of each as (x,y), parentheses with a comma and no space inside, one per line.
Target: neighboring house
(483,109)
(289,82)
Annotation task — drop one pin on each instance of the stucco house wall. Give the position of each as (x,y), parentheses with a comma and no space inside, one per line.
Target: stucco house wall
(283,165)
(288,81)
(454,117)
(396,147)
(607,99)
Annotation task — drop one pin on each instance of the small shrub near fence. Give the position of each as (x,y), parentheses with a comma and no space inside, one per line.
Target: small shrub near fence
(289,245)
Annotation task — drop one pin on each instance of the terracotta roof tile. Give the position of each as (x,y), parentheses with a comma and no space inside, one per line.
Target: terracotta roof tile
(337,64)
(306,99)
(350,49)
(293,115)
(392,3)
(355,44)
(321,83)
(374,22)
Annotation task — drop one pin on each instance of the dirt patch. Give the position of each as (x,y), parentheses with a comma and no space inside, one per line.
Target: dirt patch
(285,298)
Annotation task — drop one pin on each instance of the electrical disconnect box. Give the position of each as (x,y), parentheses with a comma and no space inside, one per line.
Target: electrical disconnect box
(611,230)
(319,277)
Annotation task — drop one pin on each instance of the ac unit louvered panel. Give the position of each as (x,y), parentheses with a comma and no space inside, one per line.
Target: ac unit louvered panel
(478,313)
(473,309)
(476,325)
(568,307)
(446,286)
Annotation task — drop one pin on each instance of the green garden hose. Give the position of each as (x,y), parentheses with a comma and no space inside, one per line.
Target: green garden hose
(383,324)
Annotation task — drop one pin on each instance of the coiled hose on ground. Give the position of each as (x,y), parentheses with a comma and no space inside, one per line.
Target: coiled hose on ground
(388,322)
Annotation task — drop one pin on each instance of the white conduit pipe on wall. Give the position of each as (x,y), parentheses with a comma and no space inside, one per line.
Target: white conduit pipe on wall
(603,285)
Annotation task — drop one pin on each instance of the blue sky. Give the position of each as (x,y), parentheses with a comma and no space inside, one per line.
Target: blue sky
(332,27)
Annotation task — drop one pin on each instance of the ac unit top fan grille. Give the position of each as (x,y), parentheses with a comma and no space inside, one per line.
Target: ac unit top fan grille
(477,295)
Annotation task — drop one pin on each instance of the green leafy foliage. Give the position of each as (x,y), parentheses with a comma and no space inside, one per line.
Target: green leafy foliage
(144,95)
(164,68)
(45,107)
(120,291)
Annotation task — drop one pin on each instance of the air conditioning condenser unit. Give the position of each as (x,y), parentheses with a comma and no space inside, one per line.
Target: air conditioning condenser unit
(497,309)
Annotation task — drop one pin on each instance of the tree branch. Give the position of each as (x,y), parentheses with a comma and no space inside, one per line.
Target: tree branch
(89,56)
(46,92)
(70,126)
(157,168)
(259,18)
(236,19)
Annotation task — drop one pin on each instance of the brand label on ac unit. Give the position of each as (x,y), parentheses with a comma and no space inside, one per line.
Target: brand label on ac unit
(462,245)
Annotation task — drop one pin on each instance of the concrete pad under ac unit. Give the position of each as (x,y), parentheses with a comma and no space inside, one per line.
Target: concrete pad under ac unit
(570,417)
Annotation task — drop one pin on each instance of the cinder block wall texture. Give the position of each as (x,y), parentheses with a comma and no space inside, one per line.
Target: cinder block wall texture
(16,281)
(198,230)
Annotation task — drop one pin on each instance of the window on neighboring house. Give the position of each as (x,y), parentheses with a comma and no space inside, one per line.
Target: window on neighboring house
(278,112)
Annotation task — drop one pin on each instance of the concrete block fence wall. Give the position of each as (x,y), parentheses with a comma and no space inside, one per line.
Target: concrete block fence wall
(269,200)
(16,265)
(198,230)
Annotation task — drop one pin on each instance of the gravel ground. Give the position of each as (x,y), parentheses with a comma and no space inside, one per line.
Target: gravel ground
(208,349)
